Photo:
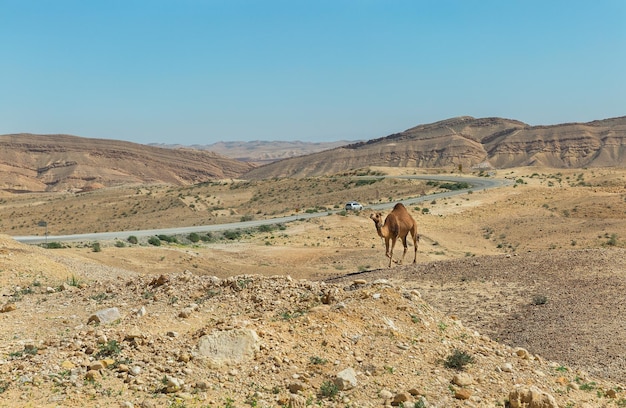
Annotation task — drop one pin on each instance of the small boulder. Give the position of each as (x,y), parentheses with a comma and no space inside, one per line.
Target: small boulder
(9,307)
(297,401)
(346,379)
(531,397)
(105,316)
(462,379)
(400,398)
(295,387)
(228,346)
(462,394)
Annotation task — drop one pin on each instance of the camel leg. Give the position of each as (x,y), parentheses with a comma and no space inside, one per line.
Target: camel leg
(405,249)
(416,239)
(390,251)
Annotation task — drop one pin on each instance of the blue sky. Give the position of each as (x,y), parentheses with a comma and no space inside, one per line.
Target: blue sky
(199,72)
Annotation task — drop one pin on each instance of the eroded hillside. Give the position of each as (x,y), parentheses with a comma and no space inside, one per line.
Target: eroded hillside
(35,163)
(467,142)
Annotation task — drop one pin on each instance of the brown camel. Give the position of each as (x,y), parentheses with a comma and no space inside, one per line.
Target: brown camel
(398,224)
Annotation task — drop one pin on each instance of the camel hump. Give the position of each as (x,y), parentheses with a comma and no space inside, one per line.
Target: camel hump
(399,207)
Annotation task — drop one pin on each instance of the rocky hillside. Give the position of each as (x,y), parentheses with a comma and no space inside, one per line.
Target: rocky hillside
(470,142)
(99,336)
(70,163)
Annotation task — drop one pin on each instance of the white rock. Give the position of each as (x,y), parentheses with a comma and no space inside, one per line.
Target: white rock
(346,379)
(105,316)
(229,346)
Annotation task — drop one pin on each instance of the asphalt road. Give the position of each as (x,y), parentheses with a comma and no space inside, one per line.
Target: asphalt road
(476,183)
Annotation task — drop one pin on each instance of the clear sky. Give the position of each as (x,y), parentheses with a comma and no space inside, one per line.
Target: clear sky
(199,72)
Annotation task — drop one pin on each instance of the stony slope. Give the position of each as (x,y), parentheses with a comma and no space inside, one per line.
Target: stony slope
(470,142)
(70,163)
(186,339)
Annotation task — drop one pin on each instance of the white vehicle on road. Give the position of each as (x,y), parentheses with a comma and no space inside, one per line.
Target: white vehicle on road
(353,205)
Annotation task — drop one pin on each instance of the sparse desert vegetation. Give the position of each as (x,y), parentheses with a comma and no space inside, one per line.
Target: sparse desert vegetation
(537,266)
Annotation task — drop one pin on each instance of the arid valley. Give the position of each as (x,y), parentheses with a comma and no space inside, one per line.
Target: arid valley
(535,267)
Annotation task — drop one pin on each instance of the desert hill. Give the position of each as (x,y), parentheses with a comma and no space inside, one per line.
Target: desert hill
(469,142)
(69,163)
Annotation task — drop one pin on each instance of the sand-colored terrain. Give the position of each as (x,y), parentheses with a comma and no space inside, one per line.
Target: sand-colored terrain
(537,265)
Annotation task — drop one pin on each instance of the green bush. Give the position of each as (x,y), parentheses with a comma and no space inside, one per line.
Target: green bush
(168,238)
(53,245)
(194,237)
(154,241)
(458,360)
(232,235)
(454,186)
(265,228)
(132,239)
(108,349)
(96,247)
(329,389)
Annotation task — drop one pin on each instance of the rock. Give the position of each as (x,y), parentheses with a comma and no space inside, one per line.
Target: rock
(346,379)
(172,384)
(462,379)
(160,281)
(134,371)
(184,357)
(296,401)
(186,312)
(507,367)
(141,312)
(9,307)
(562,380)
(229,346)
(133,334)
(295,387)
(92,375)
(414,392)
(96,366)
(522,353)
(385,394)
(67,287)
(50,290)
(531,397)
(400,398)
(462,394)
(105,316)
(67,365)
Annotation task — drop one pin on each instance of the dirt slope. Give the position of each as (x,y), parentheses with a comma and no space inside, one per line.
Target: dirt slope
(362,342)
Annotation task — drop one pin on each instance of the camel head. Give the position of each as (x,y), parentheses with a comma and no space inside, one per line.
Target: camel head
(378,220)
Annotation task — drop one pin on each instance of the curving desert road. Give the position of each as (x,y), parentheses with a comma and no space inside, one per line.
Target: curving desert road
(477,183)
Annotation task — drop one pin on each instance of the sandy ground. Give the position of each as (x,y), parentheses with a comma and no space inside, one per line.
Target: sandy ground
(539,265)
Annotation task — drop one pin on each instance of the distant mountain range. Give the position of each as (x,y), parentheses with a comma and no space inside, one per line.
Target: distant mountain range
(70,163)
(261,151)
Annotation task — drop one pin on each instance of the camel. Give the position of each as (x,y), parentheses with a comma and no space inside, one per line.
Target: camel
(398,224)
